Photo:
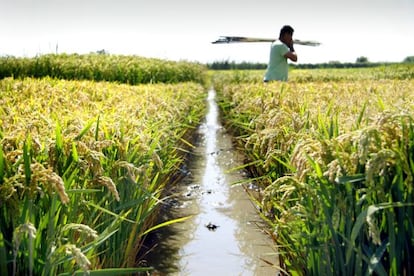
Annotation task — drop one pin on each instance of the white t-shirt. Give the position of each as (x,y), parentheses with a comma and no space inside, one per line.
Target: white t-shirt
(277,68)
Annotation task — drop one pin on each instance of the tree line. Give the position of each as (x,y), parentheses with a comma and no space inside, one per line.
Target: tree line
(361,62)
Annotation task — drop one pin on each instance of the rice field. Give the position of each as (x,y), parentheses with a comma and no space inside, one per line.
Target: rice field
(82,169)
(335,161)
(103,67)
(88,144)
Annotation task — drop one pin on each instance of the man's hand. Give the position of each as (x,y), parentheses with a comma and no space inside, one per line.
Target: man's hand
(291,54)
(290,45)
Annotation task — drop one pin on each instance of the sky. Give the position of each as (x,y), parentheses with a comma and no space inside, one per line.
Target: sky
(381,30)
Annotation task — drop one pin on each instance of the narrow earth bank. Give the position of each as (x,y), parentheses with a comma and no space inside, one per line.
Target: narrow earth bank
(224,235)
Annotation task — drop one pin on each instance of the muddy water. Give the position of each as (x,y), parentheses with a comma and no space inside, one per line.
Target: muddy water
(223,236)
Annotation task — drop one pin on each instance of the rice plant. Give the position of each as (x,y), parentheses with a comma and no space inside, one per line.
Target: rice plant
(114,68)
(334,158)
(82,167)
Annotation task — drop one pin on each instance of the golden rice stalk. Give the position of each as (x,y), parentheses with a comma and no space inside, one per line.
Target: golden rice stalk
(378,163)
(18,234)
(307,148)
(93,159)
(52,180)
(157,160)
(20,231)
(80,258)
(100,145)
(132,170)
(13,156)
(107,182)
(281,189)
(82,228)
(373,230)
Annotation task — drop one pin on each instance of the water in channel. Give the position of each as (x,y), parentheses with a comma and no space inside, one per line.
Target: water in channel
(224,234)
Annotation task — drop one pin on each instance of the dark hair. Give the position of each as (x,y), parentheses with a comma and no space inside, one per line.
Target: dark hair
(286,30)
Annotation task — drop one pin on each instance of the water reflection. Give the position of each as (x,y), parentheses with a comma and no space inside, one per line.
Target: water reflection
(236,245)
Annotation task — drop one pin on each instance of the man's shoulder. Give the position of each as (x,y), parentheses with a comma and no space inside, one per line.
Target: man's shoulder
(279,44)
(280,47)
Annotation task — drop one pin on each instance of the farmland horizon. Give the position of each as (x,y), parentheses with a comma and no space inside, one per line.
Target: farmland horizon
(184,30)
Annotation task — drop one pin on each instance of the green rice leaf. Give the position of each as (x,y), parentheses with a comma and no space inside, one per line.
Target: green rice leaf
(82,191)
(350,178)
(2,166)
(75,155)
(97,128)
(59,138)
(361,116)
(165,224)
(375,260)
(3,257)
(84,130)
(27,160)
(121,217)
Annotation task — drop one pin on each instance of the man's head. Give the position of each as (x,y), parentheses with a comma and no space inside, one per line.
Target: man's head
(286,34)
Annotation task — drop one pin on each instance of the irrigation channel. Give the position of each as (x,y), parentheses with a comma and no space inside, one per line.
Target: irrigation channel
(224,235)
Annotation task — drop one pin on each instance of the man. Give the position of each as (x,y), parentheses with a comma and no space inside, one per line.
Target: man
(281,50)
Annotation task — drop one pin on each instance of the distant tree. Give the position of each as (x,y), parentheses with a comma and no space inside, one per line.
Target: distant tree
(102,52)
(334,63)
(362,59)
(232,65)
(409,59)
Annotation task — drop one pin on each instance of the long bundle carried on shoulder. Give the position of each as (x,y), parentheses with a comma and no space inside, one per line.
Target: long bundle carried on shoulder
(236,39)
